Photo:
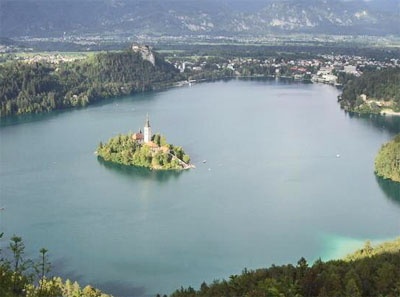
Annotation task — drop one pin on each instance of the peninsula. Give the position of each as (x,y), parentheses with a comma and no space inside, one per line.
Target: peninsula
(376,91)
(142,149)
(387,162)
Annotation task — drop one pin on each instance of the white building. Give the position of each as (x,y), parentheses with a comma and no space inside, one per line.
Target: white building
(147,130)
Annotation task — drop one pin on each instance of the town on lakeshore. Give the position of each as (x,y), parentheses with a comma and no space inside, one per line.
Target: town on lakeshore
(144,149)
(321,69)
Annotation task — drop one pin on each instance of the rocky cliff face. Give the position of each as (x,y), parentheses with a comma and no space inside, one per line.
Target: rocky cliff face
(146,52)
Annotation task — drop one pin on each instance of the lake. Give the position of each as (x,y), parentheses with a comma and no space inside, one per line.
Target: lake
(288,174)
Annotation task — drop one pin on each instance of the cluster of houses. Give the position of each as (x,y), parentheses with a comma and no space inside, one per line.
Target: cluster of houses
(323,69)
(49,58)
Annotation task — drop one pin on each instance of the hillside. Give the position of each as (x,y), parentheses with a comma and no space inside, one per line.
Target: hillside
(43,86)
(373,92)
(387,162)
(372,272)
(214,18)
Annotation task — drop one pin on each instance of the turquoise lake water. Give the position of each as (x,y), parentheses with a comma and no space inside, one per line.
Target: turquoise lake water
(288,174)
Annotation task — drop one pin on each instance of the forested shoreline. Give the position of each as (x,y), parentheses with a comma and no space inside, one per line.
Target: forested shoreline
(373,92)
(370,271)
(42,87)
(387,161)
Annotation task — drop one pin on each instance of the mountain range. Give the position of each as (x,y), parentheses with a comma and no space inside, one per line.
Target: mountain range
(52,18)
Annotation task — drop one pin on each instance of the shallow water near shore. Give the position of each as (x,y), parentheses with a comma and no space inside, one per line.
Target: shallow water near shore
(287,175)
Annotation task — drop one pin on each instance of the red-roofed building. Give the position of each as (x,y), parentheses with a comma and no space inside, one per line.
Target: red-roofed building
(139,137)
(143,136)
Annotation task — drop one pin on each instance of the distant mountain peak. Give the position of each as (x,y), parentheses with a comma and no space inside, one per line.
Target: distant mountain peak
(214,17)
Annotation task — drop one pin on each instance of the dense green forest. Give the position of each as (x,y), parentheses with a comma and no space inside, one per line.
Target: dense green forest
(387,162)
(368,272)
(22,277)
(159,155)
(41,87)
(380,87)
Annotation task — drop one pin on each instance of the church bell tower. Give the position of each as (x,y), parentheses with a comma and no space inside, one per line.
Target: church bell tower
(147,130)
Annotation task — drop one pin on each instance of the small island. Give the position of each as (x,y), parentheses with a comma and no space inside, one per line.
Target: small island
(142,149)
(387,162)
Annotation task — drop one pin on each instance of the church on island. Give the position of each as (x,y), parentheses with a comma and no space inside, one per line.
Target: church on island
(151,151)
(145,136)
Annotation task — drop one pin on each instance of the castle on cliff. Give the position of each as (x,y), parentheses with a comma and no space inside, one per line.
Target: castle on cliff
(146,52)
